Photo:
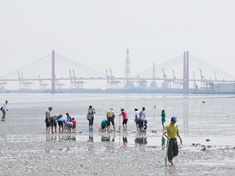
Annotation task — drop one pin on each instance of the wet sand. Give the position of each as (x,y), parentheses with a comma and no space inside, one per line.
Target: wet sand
(25,149)
(104,154)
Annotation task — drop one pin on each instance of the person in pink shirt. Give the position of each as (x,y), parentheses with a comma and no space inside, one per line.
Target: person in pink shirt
(125,119)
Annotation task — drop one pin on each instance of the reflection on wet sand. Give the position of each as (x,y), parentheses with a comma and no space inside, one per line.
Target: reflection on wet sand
(91,138)
(141,141)
(163,142)
(59,138)
(108,137)
(105,138)
(124,140)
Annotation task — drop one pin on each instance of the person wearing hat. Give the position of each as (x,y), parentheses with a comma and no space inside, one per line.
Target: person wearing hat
(172,132)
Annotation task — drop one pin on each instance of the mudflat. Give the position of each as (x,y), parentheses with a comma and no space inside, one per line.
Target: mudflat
(207,130)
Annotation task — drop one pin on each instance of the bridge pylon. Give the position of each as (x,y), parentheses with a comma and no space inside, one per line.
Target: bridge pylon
(186,72)
(53,72)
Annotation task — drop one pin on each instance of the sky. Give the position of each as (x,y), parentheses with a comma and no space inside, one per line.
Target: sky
(96,33)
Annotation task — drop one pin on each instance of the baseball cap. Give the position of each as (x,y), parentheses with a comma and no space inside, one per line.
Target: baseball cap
(173,119)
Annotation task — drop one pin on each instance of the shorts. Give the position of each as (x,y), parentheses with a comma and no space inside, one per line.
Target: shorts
(136,121)
(103,127)
(69,125)
(110,119)
(48,124)
(60,123)
(74,126)
(173,149)
(124,121)
(91,121)
(53,122)
(140,123)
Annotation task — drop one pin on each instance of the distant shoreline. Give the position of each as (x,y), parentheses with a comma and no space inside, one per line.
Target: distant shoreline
(110,91)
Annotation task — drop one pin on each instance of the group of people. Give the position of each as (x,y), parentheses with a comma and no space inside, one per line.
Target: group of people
(140,120)
(4,110)
(171,131)
(68,125)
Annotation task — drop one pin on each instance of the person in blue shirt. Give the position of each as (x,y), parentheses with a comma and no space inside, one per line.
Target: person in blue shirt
(69,118)
(61,124)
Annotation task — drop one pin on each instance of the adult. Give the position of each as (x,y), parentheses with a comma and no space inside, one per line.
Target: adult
(90,117)
(53,121)
(172,132)
(4,110)
(125,119)
(61,124)
(110,115)
(141,119)
(163,115)
(137,115)
(47,119)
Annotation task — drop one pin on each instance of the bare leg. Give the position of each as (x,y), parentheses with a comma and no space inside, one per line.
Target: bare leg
(170,161)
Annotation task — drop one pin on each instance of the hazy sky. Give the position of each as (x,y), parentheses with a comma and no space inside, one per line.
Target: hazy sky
(96,33)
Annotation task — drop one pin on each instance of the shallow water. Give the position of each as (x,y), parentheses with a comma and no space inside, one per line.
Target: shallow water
(24,144)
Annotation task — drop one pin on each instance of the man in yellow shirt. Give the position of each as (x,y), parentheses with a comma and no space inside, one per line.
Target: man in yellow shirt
(172,133)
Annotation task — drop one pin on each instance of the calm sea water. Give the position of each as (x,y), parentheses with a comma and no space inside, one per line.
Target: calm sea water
(197,121)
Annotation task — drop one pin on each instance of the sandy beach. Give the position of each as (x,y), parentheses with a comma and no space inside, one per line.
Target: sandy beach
(206,129)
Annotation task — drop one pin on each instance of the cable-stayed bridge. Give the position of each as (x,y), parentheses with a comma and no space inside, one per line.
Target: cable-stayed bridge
(54,71)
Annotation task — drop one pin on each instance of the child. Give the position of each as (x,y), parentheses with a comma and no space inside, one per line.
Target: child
(137,114)
(163,118)
(69,125)
(74,125)
(103,125)
(145,126)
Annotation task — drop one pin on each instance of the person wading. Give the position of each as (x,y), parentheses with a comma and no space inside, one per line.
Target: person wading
(110,115)
(90,117)
(47,119)
(172,132)
(4,110)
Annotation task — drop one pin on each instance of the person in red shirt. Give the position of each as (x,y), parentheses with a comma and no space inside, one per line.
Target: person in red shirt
(74,125)
(125,119)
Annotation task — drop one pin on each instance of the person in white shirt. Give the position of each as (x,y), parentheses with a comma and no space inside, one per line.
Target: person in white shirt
(4,110)
(137,115)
